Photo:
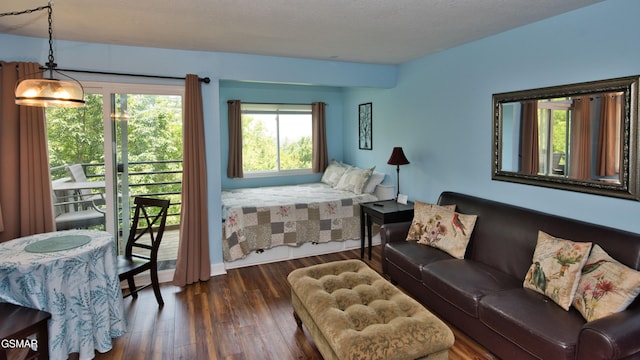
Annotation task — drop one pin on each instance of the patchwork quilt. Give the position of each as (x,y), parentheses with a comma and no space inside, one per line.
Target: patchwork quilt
(261,218)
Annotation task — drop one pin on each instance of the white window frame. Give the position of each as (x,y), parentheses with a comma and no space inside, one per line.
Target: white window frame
(106,89)
(276,109)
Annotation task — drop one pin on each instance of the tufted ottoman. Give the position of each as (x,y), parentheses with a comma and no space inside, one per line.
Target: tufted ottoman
(352,312)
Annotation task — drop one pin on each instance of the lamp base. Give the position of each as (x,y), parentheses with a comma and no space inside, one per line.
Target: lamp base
(398,180)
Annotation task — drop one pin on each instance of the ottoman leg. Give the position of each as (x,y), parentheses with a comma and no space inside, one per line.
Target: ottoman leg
(298,320)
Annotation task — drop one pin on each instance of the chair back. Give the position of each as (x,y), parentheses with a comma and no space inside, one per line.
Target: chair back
(149,219)
(77,174)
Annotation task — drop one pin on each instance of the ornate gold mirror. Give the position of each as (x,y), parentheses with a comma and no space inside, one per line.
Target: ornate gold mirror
(581,137)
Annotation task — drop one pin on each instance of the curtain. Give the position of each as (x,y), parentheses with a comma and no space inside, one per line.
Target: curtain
(25,182)
(193,262)
(580,151)
(529,148)
(234,165)
(1,223)
(608,163)
(320,159)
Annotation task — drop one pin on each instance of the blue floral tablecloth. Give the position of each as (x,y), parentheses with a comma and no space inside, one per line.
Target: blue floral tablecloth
(78,286)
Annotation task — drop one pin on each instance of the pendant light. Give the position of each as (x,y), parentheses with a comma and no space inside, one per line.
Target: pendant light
(50,91)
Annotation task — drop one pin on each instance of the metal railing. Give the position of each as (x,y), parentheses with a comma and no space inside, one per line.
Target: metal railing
(162,179)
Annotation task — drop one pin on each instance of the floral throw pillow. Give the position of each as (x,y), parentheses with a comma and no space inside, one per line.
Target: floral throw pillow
(606,286)
(442,228)
(556,266)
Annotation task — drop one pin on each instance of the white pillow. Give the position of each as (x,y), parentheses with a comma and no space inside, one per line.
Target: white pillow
(333,173)
(354,179)
(375,179)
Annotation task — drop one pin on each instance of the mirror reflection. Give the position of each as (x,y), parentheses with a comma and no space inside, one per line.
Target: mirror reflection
(575,137)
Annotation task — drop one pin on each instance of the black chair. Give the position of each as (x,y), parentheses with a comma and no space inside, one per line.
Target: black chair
(149,219)
(17,323)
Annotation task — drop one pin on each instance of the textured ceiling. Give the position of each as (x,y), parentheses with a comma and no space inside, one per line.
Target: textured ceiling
(368,31)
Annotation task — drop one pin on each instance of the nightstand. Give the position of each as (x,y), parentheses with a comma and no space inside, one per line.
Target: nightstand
(381,212)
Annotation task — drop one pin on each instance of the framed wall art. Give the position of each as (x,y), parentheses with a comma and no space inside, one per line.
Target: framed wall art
(364,126)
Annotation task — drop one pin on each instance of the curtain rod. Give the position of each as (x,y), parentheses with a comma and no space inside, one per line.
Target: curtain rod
(276,103)
(205,80)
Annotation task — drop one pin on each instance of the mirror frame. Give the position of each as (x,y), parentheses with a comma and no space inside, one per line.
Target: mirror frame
(628,188)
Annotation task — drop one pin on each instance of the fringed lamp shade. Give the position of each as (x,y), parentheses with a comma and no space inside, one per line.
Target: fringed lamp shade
(397,158)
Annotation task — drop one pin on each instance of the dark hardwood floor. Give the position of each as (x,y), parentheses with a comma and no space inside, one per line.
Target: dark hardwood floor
(245,314)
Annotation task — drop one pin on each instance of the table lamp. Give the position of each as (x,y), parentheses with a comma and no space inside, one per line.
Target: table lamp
(397,158)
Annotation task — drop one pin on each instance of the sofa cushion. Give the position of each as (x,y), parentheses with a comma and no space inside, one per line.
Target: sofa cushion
(532,321)
(606,286)
(505,235)
(411,256)
(463,283)
(556,267)
(442,228)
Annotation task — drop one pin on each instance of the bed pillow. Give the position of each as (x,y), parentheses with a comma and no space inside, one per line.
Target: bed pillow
(354,179)
(606,286)
(556,267)
(442,228)
(333,173)
(375,179)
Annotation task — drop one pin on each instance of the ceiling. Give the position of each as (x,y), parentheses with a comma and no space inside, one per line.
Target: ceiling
(367,31)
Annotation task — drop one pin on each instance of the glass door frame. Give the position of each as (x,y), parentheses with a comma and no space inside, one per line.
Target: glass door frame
(106,89)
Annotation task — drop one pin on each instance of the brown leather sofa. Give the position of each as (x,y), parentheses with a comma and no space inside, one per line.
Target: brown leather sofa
(483,296)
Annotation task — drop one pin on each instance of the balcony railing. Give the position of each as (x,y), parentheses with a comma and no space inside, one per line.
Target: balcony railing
(161,179)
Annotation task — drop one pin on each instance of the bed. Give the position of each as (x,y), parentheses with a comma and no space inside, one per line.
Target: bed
(257,219)
(324,216)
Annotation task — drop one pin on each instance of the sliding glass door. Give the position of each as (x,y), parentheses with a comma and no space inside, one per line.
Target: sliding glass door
(128,142)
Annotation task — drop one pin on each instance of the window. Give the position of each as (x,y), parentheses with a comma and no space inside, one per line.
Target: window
(276,138)
(553,123)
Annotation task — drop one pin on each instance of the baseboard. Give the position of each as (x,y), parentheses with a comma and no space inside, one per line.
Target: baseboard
(166,276)
(280,253)
(283,253)
(218,269)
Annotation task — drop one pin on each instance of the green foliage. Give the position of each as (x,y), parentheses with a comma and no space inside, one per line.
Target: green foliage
(154,137)
(560,126)
(297,155)
(75,135)
(154,127)
(260,148)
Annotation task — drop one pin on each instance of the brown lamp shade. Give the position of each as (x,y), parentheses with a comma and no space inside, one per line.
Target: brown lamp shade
(397,157)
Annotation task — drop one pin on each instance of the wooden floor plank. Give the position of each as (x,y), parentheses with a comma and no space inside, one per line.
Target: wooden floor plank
(243,315)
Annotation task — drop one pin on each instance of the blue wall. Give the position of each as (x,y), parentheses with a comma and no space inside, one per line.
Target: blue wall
(437,107)
(440,111)
(327,77)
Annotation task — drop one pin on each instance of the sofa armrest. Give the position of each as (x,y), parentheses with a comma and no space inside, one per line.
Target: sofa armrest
(612,337)
(394,232)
